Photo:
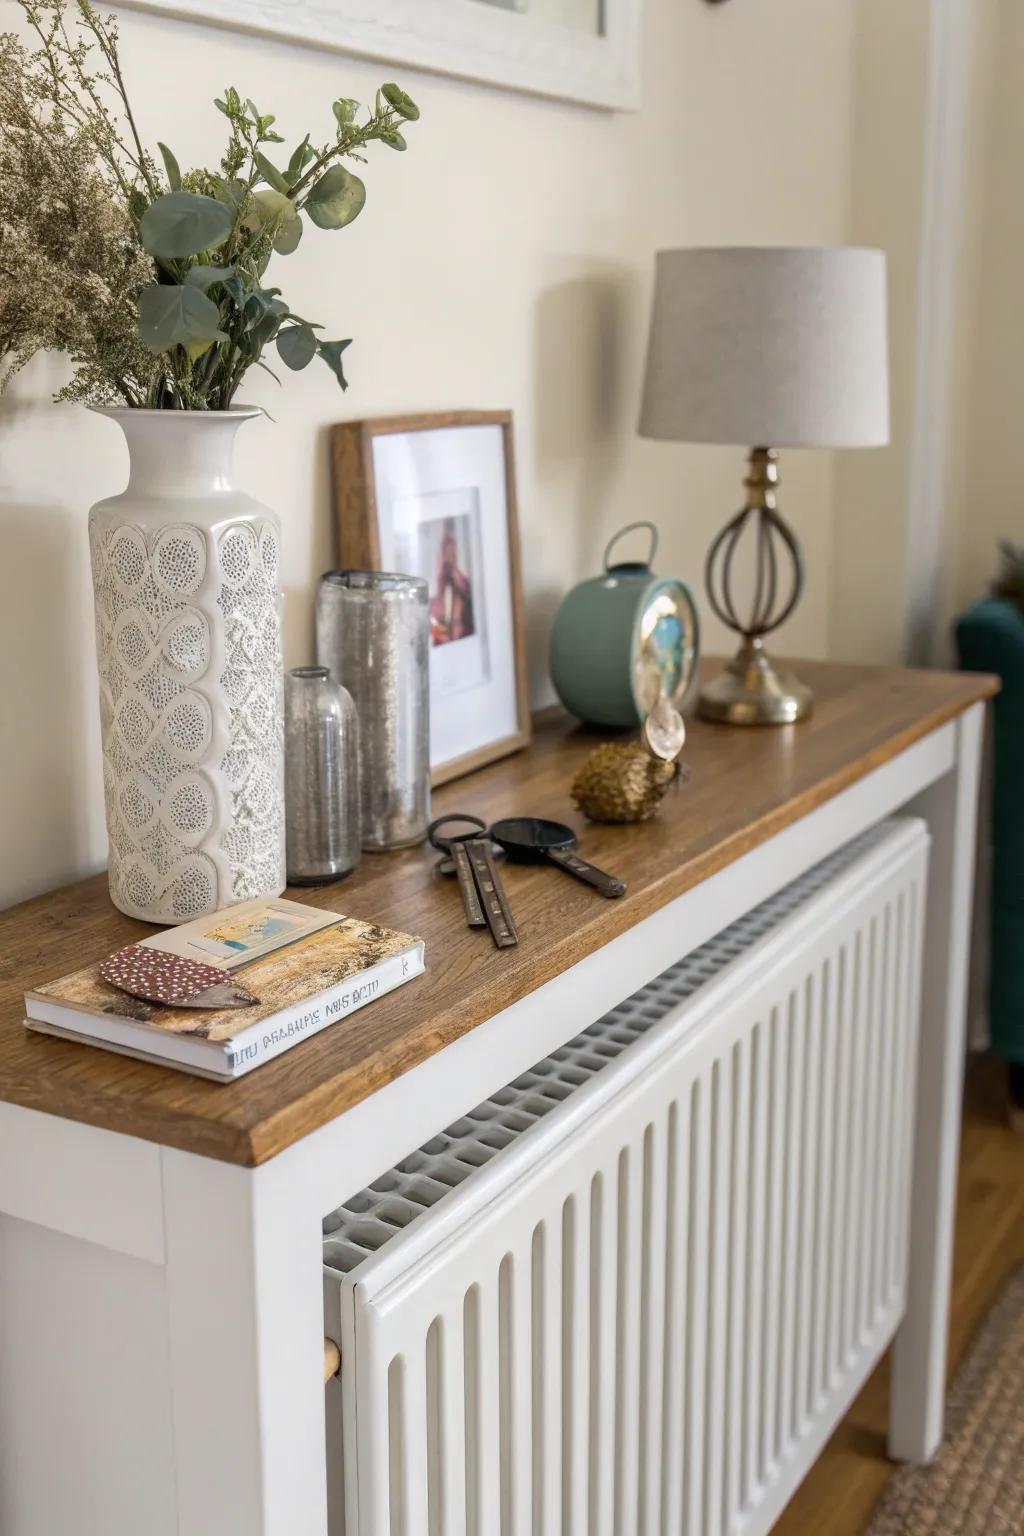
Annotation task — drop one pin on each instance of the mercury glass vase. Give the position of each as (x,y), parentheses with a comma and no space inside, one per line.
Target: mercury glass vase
(321,777)
(188,640)
(372,633)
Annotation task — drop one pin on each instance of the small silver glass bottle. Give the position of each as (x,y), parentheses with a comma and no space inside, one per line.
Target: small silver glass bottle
(321,778)
(372,632)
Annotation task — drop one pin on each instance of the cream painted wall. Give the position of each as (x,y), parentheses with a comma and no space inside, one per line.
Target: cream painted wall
(504,261)
(987,499)
(900,573)
(868,569)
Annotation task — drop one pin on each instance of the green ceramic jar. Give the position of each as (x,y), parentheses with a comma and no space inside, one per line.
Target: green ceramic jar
(622,638)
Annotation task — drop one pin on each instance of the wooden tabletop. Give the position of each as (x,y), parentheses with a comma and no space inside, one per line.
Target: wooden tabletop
(746,785)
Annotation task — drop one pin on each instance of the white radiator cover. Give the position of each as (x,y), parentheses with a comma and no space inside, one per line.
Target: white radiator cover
(633,1292)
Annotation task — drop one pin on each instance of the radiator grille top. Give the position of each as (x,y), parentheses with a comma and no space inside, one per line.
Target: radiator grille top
(369,1219)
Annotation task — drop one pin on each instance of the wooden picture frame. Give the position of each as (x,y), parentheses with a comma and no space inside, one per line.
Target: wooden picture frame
(361,546)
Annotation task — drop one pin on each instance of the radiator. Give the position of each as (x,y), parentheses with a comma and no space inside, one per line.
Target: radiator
(633,1291)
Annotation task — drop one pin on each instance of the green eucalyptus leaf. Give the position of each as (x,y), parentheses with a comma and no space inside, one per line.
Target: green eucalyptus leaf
(296,346)
(272,209)
(262,302)
(393,139)
(183,224)
(171,167)
(287,236)
(312,325)
(271,173)
(173,314)
(345,110)
(336,199)
(232,193)
(298,162)
(265,317)
(204,277)
(235,290)
(403,104)
(331,352)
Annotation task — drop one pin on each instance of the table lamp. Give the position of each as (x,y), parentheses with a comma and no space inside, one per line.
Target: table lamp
(771,347)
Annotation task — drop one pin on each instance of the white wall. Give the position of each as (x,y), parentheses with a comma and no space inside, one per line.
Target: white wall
(505,260)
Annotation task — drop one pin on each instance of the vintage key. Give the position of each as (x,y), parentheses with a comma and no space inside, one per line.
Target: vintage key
(471,903)
(532,840)
(497,911)
(470,857)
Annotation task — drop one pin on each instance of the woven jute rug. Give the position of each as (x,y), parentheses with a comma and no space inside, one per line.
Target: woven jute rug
(975,1485)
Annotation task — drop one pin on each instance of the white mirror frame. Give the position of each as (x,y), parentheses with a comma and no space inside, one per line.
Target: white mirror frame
(456,37)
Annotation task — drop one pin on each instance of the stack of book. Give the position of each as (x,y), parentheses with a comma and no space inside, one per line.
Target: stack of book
(307,969)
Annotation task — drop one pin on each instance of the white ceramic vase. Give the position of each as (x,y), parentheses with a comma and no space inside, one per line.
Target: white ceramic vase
(188,640)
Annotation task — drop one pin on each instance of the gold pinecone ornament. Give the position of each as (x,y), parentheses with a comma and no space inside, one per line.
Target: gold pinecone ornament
(625,780)
(620,781)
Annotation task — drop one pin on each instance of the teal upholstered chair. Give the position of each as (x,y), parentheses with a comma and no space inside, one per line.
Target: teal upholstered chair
(990,638)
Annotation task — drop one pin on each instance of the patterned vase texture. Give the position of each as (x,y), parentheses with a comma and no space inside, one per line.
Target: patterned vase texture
(188,640)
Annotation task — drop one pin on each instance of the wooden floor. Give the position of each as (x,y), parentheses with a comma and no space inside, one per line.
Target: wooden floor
(840,1493)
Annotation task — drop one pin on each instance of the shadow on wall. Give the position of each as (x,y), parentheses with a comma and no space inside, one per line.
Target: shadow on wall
(580,341)
(44,834)
(298,605)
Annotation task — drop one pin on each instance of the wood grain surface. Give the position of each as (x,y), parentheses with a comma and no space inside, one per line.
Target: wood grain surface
(746,786)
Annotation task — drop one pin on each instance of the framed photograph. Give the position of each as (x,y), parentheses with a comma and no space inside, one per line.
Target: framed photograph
(434,496)
(576,50)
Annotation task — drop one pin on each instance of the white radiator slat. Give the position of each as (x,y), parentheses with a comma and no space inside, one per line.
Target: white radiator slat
(486,1503)
(721,1185)
(411,1411)
(652,1319)
(548,1356)
(604,1242)
(576,1373)
(520,1388)
(451,1450)
(676,1303)
(697,1305)
(840,1187)
(858,1148)
(821,1283)
(794,1165)
(627,1343)
(886,1144)
(778,1113)
(739,1293)
(629,1294)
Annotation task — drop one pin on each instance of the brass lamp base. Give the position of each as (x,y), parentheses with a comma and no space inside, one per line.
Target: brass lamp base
(753,691)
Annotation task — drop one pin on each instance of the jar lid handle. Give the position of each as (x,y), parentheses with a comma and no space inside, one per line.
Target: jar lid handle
(629,528)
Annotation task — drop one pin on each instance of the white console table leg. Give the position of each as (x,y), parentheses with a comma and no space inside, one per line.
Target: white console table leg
(919,1351)
(245,1318)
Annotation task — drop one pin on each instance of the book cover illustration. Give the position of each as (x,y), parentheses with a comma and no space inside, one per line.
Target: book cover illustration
(304,970)
(243,933)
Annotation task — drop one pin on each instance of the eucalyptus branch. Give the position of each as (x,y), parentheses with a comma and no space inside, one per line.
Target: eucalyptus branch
(348,142)
(159,298)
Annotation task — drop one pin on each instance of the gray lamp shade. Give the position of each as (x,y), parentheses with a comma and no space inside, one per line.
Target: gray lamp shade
(769,347)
